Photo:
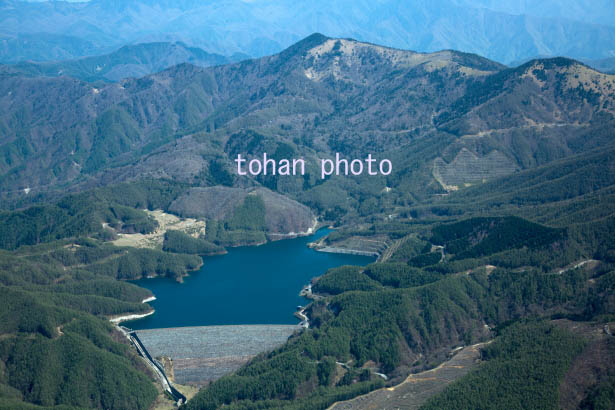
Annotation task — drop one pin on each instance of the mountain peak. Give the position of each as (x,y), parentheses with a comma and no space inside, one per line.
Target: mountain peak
(577,75)
(303,46)
(343,58)
(552,62)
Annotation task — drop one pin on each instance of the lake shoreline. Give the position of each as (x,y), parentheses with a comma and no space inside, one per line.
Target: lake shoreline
(126,318)
(266,278)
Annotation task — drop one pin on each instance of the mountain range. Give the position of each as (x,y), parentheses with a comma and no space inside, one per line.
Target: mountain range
(445,119)
(128,61)
(503,31)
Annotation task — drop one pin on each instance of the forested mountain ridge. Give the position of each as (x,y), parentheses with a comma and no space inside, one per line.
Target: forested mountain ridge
(439,117)
(128,61)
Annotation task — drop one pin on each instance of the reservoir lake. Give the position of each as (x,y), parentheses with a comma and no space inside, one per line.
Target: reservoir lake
(248,285)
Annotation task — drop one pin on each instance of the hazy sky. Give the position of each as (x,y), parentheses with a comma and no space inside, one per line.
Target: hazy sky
(503,30)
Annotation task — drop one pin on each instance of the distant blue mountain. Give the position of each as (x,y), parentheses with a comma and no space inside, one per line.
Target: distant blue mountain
(502,30)
(128,61)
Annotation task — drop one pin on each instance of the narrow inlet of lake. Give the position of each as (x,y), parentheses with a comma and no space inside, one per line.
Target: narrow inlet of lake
(249,285)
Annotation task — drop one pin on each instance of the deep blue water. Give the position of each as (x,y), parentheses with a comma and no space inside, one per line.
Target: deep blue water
(249,285)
